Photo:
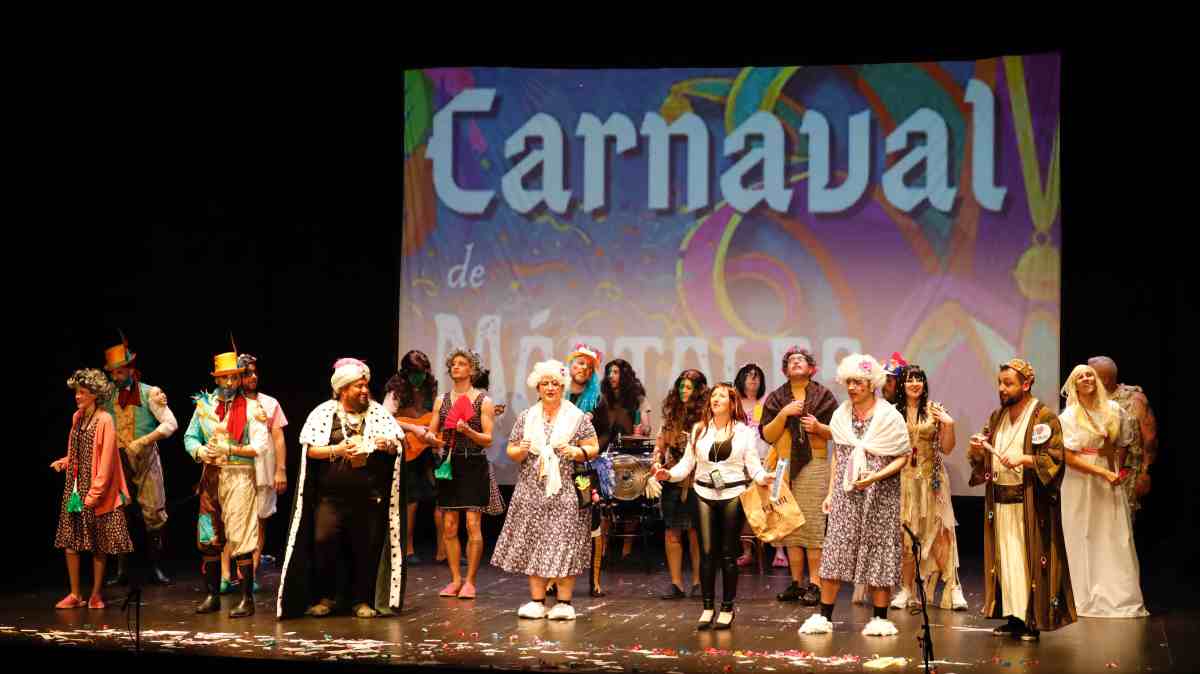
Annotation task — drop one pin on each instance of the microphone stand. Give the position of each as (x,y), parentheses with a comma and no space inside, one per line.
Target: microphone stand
(926,639)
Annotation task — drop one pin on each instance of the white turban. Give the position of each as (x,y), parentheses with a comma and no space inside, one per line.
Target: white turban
(347,371)
(547,368)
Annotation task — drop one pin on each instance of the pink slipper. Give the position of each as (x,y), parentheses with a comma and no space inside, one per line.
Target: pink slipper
(744,560)
(467,591)
(450,590)
(70,601)
(96,602)
(780,561)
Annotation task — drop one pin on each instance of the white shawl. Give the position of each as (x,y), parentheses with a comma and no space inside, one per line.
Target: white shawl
(887,435)
(566,421)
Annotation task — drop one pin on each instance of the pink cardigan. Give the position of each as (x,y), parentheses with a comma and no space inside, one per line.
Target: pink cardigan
(108,478)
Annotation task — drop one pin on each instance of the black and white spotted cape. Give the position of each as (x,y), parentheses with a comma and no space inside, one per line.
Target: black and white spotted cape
(296,581)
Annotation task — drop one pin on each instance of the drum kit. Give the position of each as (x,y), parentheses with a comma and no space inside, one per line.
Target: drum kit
(632,463)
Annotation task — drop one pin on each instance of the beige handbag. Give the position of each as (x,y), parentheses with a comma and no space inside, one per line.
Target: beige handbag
(769,521)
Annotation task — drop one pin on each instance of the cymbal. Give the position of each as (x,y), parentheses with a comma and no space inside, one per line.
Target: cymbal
(630,474)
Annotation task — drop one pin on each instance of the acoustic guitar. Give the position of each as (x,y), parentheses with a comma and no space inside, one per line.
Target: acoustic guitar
(414,445)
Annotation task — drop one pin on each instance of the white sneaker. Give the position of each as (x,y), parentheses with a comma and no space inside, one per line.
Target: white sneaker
(957,601)
(860,594)
(880,627)
(816,624)
(533,609)
(901,598)
(561,612)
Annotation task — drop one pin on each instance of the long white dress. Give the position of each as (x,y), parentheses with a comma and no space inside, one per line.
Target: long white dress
(1098,531)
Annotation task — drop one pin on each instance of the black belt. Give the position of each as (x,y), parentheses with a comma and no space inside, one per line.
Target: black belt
(728,485)
(468,452)
(1008,493)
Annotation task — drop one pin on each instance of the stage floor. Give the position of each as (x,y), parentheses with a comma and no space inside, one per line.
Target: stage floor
(628,630)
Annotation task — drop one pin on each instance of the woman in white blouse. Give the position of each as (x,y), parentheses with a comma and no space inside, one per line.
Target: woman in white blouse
(722,449)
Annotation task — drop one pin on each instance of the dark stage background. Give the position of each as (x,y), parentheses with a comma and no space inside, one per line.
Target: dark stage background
(270,205)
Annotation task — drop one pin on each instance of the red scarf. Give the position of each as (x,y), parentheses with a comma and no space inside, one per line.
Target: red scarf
(237,417)
(131,395)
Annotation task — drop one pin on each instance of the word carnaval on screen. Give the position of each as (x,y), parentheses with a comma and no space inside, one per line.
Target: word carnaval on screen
(767,156)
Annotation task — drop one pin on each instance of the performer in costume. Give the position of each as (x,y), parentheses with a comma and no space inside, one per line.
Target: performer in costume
(625,397)
(410,396)
(722,453)
(1097,526)
(893,367)
(91,518)
(584,392)
(545,534)
(795,422)
(469,487)
(1143,450)
(682,408)
(227,433)
(1026,576)
(142,420)
(871,446)
(925,495)
(750,383)
(270,469)
(349,497)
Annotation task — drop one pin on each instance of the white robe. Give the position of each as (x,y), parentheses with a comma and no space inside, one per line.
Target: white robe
(1098,531)
(1010,517)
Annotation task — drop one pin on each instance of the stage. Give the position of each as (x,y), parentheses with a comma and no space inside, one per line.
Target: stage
(628,630)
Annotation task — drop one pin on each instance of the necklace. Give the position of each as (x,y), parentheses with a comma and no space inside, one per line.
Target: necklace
(349,427)
(1013,438)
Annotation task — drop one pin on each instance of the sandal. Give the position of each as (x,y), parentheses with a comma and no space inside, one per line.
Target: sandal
(365,611)
(320,609)
(70,601)
(451,590)
(96,601)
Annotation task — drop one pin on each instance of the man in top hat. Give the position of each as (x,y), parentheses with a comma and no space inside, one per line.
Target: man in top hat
(142,419)
(1019,457)
(228,431)
(270,468)
(586,363)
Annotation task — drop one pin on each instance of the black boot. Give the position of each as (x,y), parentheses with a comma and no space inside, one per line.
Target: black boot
(121,575)
(212,582)
(792,593)
(246,608)
(155,544)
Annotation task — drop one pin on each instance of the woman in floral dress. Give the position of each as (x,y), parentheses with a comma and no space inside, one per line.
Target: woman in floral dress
(546,534)
(862,539)
(91,518)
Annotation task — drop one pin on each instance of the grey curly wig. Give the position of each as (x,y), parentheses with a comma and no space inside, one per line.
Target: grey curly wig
(93,380)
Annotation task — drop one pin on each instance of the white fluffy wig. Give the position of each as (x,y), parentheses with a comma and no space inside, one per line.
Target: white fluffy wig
(861,366)
(553,369)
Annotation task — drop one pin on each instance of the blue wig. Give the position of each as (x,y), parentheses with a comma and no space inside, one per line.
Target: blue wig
(591,394)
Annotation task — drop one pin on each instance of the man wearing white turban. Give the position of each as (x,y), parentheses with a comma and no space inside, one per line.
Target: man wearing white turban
(349,493)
